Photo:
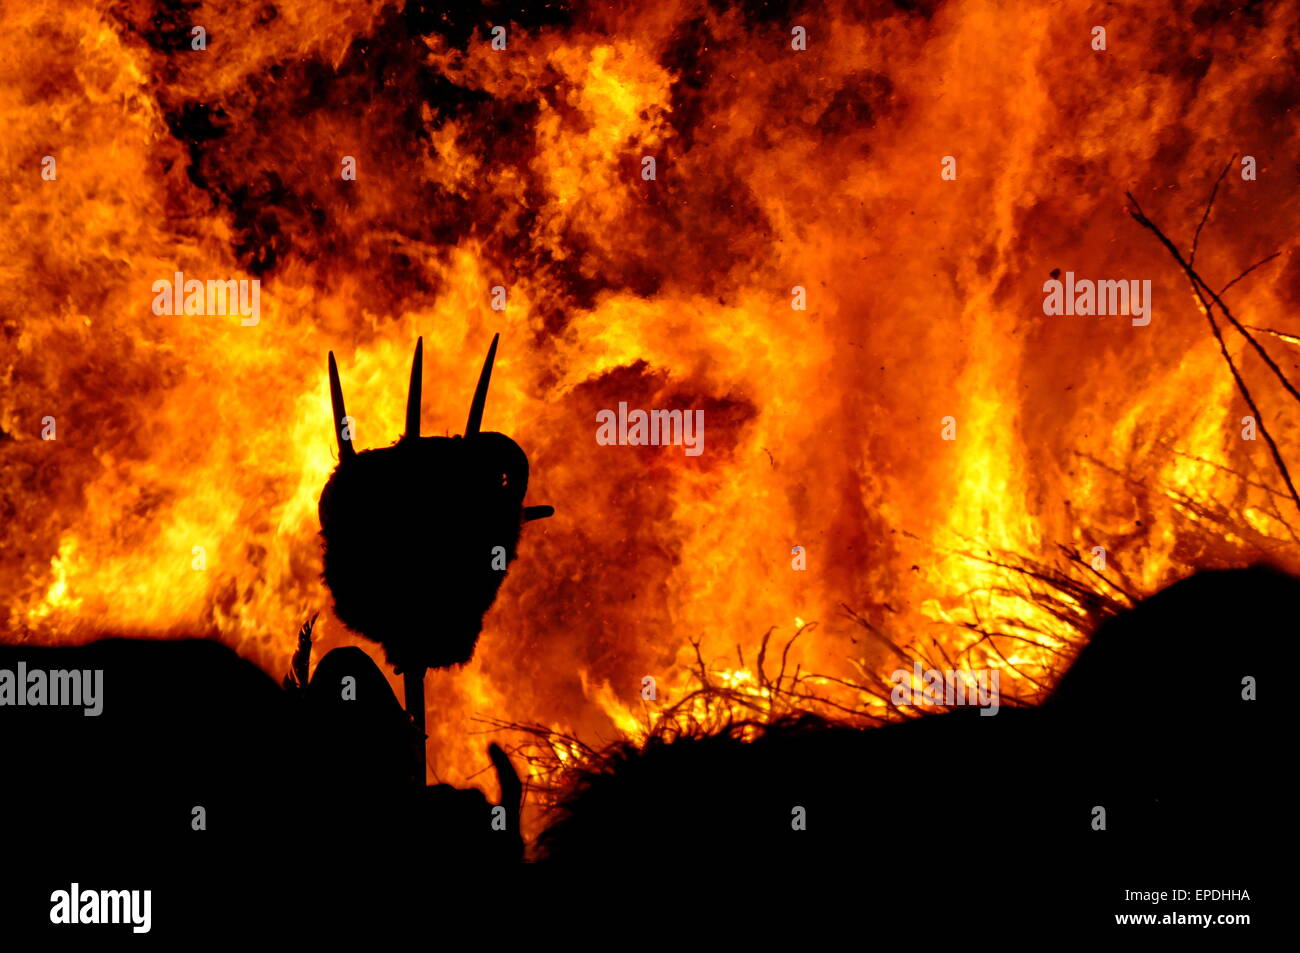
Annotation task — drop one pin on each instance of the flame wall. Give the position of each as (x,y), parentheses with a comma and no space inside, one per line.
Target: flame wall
(522,168)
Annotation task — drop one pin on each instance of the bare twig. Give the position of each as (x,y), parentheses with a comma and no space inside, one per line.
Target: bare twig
(1282,335)
(1200,289)
(1196,239)
(1262,261)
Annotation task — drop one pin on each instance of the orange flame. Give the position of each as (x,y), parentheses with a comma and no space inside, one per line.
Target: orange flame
(178,497)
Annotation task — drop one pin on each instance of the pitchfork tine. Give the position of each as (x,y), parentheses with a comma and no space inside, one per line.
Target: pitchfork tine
(413,395)
(346,450)
(480,393)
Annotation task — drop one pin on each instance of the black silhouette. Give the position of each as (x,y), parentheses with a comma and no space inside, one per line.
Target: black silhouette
(305,796)
(359,750)
(1150,723)
(1153,718)
(690,799)
(417,535)
(304,784)
(409,530)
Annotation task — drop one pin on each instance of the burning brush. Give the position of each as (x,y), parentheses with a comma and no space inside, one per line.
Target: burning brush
(418,535)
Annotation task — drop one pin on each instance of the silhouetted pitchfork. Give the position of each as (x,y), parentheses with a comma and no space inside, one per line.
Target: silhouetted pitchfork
(411,534)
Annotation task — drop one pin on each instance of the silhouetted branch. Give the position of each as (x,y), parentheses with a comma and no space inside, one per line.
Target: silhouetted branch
(1196,239)
(1262,261)
(1200,289)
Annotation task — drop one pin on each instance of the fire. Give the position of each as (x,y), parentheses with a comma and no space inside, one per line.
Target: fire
(178,496)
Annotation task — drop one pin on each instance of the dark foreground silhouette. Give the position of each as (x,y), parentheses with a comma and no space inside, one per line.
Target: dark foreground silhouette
(1149,724)
(423,603)
(309,791)
(308,800)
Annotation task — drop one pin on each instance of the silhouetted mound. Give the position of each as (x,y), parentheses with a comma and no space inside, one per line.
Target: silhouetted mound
(1194,640)
(409,534)
(1150,756)
(1170,713)
(360,755)
(362,742)
(182,724)
(803,786)
(199,761)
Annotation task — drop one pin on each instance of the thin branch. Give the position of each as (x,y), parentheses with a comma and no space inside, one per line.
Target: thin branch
(1198,287)
(1262,261)
(1283,335)
(1196,239)
(1199,283)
